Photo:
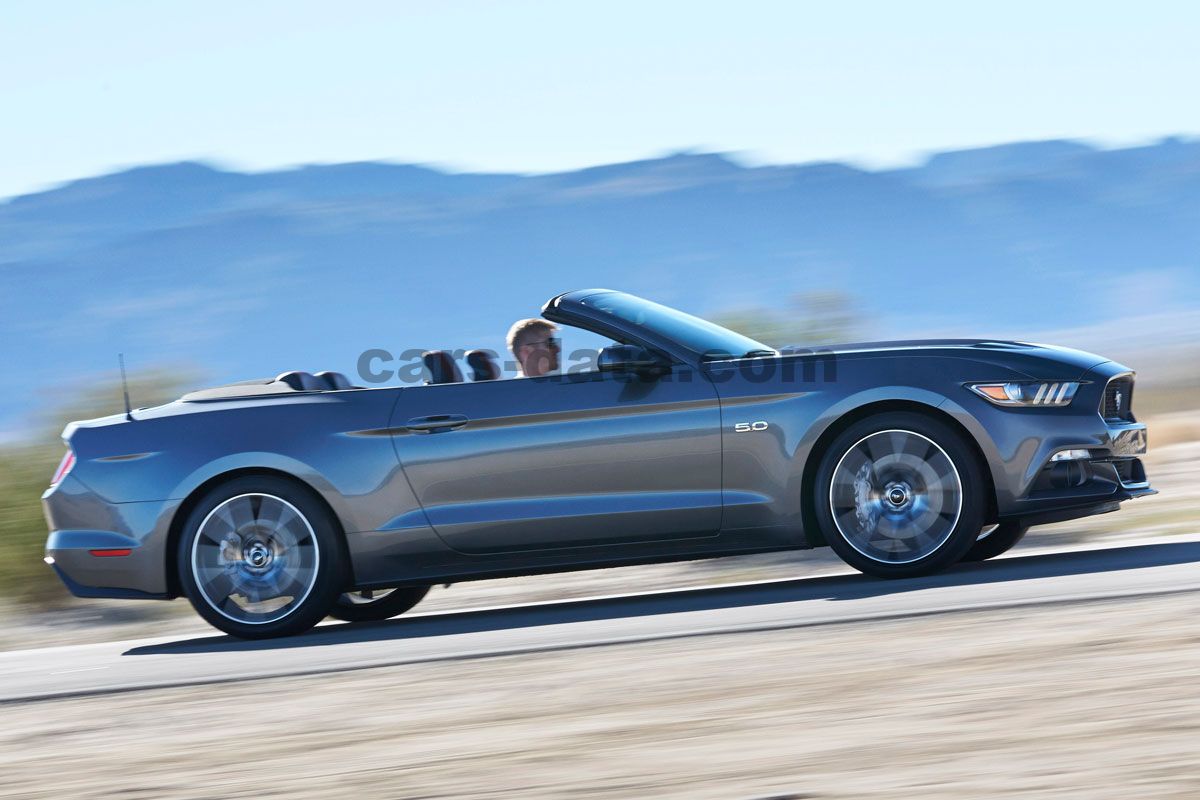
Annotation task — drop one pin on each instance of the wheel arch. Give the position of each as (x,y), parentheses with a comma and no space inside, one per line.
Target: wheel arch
(175,531)
(816,453)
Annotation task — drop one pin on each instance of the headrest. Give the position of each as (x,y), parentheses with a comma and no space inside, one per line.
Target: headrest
(483,366)
(333,380)
(301,381)
(441,367)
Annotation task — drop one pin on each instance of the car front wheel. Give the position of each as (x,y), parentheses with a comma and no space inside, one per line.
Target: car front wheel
(900,495)
(260,557)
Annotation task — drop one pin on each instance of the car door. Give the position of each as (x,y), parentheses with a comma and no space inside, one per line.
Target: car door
(565,460)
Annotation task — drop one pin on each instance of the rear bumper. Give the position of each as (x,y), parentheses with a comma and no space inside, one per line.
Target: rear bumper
(103,592)
(103,549)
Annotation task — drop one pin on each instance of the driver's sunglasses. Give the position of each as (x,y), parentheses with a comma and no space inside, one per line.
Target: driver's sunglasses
(554,343)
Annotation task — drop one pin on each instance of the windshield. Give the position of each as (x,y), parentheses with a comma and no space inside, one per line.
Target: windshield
(697,335)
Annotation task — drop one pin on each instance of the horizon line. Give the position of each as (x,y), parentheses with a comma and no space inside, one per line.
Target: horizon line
(743,159)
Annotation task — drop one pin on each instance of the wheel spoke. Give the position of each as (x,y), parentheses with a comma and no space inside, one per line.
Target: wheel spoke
(217,583)
(904,444)
(877,447)
(273,513)
(287,583)
(241,513)
(219,527)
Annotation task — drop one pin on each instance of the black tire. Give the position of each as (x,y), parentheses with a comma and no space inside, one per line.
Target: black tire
(355,607)
(1001,540)
(261,534)
(909,490)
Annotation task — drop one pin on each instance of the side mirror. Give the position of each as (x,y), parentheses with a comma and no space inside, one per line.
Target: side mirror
(629,358)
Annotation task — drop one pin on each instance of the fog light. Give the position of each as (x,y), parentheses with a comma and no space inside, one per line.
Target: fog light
(1071,455)
(49,560)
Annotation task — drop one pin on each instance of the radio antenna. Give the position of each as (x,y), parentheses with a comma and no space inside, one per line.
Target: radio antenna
(125,387)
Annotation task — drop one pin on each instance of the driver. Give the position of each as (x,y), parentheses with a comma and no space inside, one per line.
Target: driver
(535,344)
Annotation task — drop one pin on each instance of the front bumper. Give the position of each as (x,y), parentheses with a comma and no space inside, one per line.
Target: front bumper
(1072,489)
(1033,489)
(89,536)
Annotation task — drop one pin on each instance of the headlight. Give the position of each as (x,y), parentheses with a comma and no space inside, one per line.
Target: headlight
(1027,393)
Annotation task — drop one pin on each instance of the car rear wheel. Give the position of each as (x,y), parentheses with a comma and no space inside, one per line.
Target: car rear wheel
(999,540)
(372,605)
(900,495)
(260,557)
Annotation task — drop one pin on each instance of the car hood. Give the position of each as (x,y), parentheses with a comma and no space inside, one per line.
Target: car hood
(1038,361)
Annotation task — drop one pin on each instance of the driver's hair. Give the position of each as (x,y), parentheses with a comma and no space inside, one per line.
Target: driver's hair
(525,330)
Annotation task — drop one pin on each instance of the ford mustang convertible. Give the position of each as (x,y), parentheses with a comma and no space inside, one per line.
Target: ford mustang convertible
(272,504)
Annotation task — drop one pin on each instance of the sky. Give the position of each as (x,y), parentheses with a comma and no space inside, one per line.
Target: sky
(87,88)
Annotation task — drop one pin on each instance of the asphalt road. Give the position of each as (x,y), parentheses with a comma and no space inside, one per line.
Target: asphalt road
(1152,567)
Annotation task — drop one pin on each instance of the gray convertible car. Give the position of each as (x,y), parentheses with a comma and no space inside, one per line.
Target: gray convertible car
(271,504)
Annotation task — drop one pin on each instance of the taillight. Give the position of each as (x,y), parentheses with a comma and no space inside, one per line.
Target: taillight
(64,467)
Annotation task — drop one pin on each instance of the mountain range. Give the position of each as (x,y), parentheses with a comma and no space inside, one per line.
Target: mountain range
(248,274)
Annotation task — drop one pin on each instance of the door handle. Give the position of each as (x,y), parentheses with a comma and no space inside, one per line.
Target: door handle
(436,423)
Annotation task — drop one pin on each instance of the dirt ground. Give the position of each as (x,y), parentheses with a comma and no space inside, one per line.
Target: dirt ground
(1095,700)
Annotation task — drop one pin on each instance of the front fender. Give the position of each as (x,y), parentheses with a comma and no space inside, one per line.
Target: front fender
(765,470)
(854,403)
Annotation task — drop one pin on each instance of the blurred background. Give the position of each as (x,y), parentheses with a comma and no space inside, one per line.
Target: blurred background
(224,191)
(227,192)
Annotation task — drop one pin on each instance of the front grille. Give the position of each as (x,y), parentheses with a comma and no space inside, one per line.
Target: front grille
(1118,399)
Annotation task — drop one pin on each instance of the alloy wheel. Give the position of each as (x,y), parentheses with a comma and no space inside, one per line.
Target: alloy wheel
(896,496)
(255,558)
